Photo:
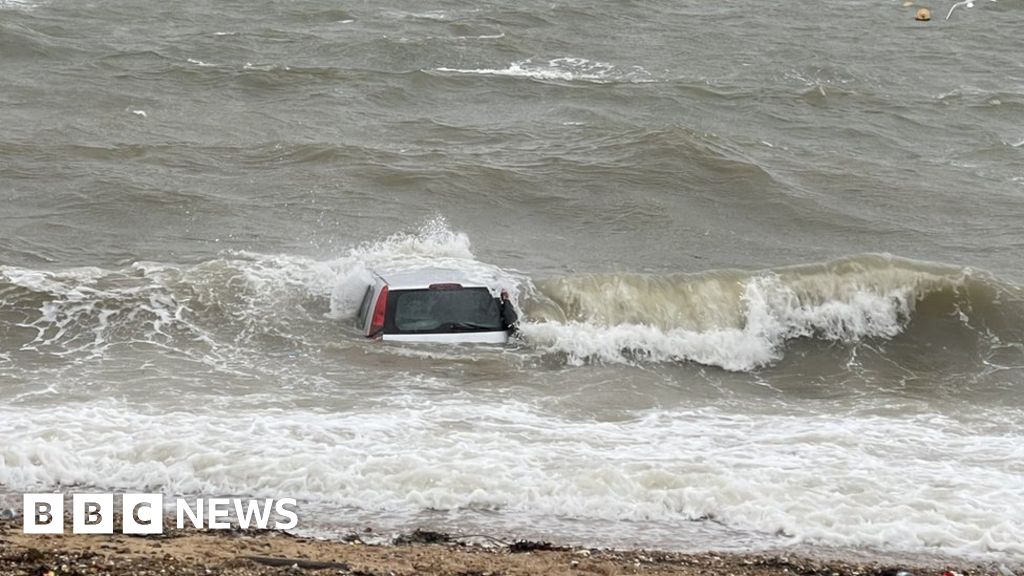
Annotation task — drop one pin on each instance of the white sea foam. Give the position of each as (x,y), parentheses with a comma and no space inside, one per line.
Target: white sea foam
(435,15)
(83,305)
(416,443)
(913,483)
(735,320)
(434,245)
(17,4)
(740,320)
(741,334)
(562,69)
(86,310)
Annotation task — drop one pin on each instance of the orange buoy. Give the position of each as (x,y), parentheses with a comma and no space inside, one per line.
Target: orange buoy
(923,15)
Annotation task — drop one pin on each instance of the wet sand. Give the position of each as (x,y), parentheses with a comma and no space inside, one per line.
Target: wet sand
(242,553)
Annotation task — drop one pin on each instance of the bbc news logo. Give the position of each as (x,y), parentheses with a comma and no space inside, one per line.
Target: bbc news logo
(143,513)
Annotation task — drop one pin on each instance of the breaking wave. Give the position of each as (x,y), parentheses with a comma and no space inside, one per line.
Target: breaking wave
(564,70)
(370,431)
(532,465)
(737,320)
(239,299)
(742,320)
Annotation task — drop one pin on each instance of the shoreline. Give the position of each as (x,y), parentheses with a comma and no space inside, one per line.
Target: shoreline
(256,553)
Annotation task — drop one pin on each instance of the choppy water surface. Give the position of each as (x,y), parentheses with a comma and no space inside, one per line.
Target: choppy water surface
(769,259)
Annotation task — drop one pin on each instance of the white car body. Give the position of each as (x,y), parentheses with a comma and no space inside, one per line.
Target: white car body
(381,312)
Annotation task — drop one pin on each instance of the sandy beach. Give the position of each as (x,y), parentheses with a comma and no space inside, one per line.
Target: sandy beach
(241,553)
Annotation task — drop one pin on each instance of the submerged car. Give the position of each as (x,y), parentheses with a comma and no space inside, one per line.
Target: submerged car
(434,305)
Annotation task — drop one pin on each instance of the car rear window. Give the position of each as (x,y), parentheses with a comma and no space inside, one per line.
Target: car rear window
(442,310)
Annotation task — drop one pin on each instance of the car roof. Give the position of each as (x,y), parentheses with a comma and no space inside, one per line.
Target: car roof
(424,277)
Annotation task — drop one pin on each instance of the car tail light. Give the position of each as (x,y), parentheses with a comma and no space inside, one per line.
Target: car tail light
(450,286)
(377,325)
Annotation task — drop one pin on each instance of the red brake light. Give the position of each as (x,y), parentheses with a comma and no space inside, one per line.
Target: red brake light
(377,324)
(450,286)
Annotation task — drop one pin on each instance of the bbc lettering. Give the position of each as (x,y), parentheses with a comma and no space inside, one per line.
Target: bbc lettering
(143,513)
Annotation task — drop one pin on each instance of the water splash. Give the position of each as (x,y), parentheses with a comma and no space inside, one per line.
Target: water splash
(963,3)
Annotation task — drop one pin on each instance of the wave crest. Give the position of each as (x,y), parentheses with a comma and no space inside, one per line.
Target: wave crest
(741,320)
(562,70)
